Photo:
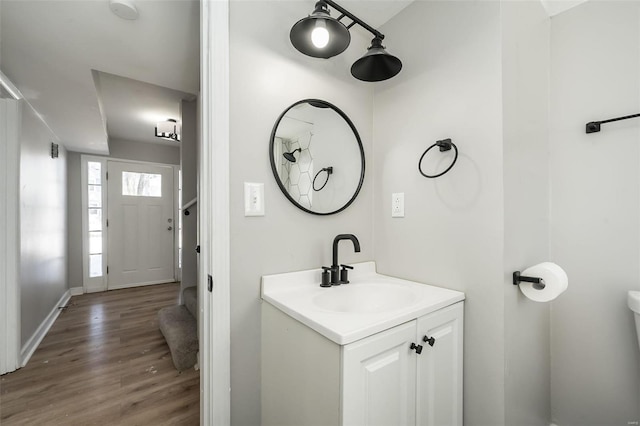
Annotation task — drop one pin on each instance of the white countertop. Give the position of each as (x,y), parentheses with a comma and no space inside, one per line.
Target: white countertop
(299,295)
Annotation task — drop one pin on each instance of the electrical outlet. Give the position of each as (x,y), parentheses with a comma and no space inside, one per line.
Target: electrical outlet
(397,204)
(253,199)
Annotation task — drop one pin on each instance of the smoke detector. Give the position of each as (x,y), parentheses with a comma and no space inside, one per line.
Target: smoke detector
(124,9)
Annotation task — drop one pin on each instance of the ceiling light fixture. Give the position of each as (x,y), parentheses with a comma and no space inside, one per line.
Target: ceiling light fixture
(321,36)
(124,9)
(168,130)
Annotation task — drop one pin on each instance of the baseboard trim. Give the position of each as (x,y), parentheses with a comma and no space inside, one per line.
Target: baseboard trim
(121,286)
(34,341)
(76,291)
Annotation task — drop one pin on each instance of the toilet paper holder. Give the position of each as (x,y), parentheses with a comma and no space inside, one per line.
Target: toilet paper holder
(538,283)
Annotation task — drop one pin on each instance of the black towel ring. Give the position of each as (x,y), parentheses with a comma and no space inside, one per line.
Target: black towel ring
(445,145)
(329,171)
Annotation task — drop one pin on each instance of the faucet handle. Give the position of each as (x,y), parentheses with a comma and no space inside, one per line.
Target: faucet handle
(344,274)
(325,277)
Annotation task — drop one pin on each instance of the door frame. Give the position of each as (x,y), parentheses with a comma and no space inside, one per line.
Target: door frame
(97,284)
(10,325)
(213,215)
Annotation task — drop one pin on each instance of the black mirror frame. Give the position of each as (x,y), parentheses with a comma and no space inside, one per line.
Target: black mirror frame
(319,104)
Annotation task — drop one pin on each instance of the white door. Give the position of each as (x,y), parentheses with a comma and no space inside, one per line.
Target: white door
(140,224)
(379,384)
(440,367)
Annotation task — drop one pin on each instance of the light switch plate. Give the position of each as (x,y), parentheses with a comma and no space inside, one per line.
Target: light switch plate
(397,204)
(253,199)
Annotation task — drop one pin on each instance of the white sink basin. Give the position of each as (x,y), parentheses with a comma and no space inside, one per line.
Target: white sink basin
(370,303)
(367,297)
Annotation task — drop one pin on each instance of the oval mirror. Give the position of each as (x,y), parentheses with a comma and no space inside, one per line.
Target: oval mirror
(317,157)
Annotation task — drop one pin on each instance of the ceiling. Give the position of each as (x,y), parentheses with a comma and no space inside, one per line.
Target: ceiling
(132,108)
(373,12)
(554,7)
(50,48)
(93,76)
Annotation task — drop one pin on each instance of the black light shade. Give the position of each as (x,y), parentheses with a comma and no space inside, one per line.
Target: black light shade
(377,64)
(339,36)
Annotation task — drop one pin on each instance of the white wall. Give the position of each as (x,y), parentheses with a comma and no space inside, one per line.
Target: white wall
(525,109)
(43,227)
(334,146)
(595,213)
(451,235)
(74,219)
(188,164)
(0,34)
(267,76)
(141,151)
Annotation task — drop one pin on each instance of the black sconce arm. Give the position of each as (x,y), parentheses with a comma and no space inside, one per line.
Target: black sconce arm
(354,18)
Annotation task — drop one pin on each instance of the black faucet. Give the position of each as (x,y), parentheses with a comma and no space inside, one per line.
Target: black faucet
(335,267)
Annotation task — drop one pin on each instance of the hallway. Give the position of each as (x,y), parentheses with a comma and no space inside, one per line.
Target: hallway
(104,362)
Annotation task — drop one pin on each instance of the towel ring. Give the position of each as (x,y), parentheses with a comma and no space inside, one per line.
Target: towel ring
(329,171)
(444,145)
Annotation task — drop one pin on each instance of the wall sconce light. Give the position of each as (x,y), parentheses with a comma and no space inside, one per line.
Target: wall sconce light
(321,36)
(168,130)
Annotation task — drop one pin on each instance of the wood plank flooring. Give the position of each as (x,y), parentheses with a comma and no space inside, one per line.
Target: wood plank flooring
(104,362)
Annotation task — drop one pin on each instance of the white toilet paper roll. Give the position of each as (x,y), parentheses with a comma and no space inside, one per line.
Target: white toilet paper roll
(555,280)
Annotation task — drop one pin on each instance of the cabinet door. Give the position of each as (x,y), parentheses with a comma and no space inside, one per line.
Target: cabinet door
(378,382)
(440,368)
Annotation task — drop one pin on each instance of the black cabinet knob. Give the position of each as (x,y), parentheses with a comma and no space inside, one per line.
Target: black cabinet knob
(417,348)
(430,340)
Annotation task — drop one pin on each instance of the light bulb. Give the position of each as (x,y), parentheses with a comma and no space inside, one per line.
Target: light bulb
(320,34)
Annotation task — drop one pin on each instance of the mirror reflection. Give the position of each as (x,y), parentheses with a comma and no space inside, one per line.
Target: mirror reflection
(317,157)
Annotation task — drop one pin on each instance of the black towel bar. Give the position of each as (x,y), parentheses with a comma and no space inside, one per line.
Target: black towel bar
(594,126)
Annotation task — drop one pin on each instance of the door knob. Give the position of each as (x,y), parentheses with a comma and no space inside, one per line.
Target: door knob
(418,348)
(430,340)
(170,228)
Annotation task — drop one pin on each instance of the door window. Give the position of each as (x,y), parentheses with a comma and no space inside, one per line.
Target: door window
(94,212)
(141,184)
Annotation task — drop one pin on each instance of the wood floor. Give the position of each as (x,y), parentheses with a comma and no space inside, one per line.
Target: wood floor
(104,362)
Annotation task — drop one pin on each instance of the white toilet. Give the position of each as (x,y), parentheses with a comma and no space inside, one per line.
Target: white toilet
(634,304)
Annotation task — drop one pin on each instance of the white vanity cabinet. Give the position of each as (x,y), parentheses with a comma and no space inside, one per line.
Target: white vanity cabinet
(439,376)
(384,382)
(379,379)
(308,379)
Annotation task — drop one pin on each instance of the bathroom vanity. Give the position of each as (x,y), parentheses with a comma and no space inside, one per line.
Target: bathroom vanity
(377,351)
